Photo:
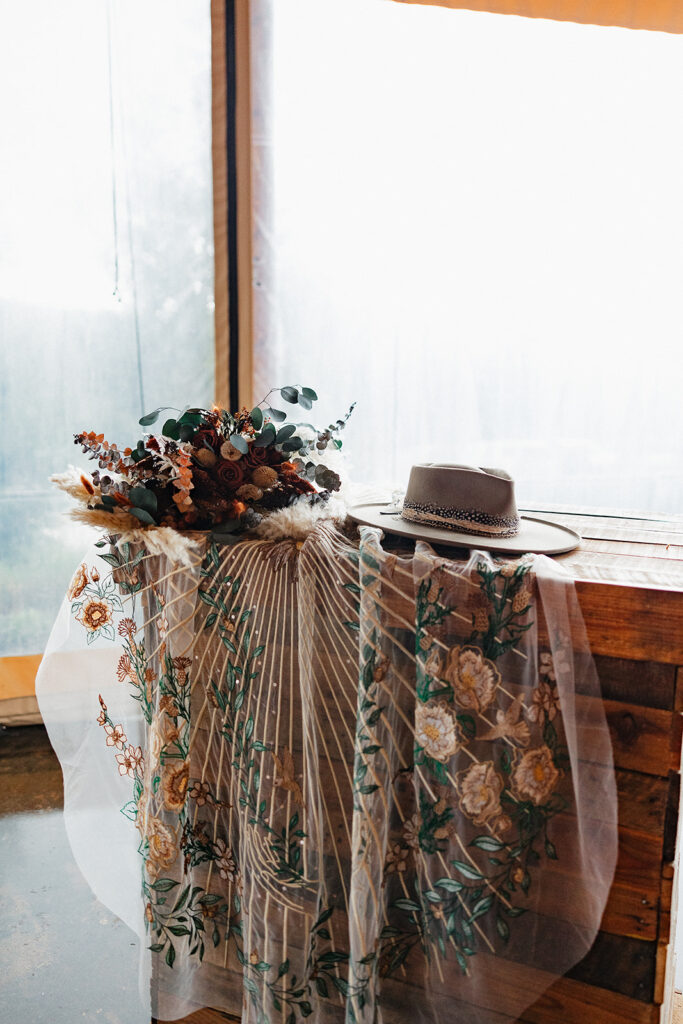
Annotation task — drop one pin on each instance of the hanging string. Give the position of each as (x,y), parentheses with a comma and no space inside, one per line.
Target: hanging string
(112,144)
(112,40)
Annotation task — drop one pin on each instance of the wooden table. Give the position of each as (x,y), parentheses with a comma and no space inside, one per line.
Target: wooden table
(629,580)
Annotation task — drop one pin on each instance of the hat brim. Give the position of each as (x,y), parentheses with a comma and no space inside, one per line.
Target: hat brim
(535,535)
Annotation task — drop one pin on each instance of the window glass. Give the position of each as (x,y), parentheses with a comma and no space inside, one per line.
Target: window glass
(106,265)
(476,231)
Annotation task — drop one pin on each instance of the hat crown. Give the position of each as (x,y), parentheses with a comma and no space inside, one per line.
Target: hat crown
(477,499)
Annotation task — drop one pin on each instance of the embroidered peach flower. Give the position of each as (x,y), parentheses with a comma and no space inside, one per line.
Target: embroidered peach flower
(116,737)
(181,666)
(225,862)
(480,789)
(130,761)
(397,859)
(95,615)
(411,832)
(94,574)
(201,793)
(124,669)
(149,913)
(174,784)
(435,730)
(544,699)
(162,845)
(535,776)
(474,678)
(78,583)
(168,705)
(127,627)
(433,663)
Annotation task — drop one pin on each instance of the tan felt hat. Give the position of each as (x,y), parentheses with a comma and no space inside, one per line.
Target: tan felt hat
(466,506)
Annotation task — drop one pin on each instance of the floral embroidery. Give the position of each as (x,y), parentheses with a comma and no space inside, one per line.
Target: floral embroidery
(474,678)
(174,782)
(435,730)
(480,789)
(544,700)
(78,583)
(201,793)
(115,736)
(411,832)
(535,775)
(95,615)
(162,846)
(225,862)
(397,859)
(130,761)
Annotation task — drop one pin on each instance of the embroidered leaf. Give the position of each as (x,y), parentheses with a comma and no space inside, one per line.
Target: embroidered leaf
(467,723)
(550,850)
(503,929)
(283,969)
(432,896)
(481,907)
(170,956)
(487,843)
(449,884)
(467,871)
(404,904)
(164,885)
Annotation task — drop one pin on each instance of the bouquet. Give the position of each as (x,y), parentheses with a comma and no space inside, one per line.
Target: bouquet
(212,469)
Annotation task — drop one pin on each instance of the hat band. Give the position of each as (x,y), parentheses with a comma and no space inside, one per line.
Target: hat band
(464,520)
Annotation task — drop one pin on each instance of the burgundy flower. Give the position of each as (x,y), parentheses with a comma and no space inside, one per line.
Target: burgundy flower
(262,457)
(229,475)
(206,435)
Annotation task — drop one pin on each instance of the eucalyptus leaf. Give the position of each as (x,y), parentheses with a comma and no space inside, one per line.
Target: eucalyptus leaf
(266,437)
(142,515)
(290,394)
(193,418)
(142,498)
(293,446)
(256,417)
(238,442)
(284,433)
(151,417)
(309,393)
(276,415)
(186,431)
(171,429)
(305,402)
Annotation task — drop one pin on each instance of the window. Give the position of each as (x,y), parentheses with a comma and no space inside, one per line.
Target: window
(475,230)
(106,264)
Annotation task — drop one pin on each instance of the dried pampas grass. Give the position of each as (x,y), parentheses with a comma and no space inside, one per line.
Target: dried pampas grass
(181,548)
(299,520)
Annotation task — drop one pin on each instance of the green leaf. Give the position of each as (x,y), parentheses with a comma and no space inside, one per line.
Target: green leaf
(503,929)
(142,498)
(256,417)
(550,850)
(164,885)
(487,843)
(284,433)
(283,969)
(481,907)
(309,393)
(449,884)
(170,956)
(305,402)
(266,437)
(405,905)
(238,442)
(432,896)
(467,871)
(142,515)
(150,417)
(186,431)
(179,929)
(276,415)
(290,394)
(171,429)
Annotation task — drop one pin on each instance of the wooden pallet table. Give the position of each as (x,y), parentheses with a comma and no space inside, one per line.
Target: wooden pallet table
(629,581)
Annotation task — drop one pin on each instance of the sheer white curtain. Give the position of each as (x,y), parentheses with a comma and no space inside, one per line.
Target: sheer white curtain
(472,224)
(106,258)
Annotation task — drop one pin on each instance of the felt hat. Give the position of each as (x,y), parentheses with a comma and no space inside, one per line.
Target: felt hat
(467,507)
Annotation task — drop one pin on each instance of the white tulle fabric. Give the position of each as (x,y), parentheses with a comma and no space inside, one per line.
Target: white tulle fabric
(335,781)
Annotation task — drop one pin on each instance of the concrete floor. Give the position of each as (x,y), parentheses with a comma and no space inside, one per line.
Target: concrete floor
(64,958)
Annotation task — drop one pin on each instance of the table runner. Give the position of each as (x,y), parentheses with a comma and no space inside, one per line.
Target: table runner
(349,783)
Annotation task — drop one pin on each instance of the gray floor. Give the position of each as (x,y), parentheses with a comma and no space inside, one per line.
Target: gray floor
(64,958)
